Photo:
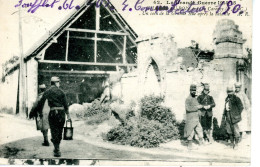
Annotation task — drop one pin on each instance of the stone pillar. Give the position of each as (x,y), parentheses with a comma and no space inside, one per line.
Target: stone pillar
(228,42)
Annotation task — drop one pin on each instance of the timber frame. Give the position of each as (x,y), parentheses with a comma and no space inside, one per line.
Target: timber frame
(126,32)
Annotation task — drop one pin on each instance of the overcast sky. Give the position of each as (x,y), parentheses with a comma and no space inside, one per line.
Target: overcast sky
(36,26)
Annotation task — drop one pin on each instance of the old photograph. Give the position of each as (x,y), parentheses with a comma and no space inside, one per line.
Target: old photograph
(126,82)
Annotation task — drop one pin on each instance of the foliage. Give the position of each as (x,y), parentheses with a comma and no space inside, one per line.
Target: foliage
(6,110)
(10,62)
(181,126)
(96,108)
(98,118)
(152,109)
(155,125)
(95,113)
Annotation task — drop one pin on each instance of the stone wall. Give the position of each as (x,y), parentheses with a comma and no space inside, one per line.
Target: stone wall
(173,80)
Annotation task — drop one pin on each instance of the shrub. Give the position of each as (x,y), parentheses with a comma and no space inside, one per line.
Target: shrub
(156,124)
(96,108)
(181,126)
(7,110)
(152,109)
(98,118)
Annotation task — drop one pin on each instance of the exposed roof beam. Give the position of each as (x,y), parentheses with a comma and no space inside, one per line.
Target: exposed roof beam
(76,72)
(99,39)
(86,63)
(95,31)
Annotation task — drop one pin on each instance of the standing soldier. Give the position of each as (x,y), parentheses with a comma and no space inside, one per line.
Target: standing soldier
(244,123)
(232,115)
(192,125)
(58,107)
(44,122)
(208,103)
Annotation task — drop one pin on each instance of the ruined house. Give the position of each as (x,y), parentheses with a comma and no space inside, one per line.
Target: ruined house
(91,44)
(167,70)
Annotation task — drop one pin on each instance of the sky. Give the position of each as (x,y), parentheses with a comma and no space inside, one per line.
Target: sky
(36,26)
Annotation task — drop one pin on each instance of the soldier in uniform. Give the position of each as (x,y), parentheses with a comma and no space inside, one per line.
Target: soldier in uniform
(58,108)
(232,115)
(208,103)
(244,123)
(43,122)
(192,125)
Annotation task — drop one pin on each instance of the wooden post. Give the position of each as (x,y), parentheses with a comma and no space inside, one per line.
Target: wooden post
(124,53)
(67,46)
(21,74)
(97,29)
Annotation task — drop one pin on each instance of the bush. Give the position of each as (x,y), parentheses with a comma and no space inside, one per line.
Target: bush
(7,110)
(156,124)
(181,126)
(98,118)
(96,108)
(152,109)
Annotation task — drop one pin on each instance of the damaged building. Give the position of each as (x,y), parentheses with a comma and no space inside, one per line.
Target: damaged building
(89,46)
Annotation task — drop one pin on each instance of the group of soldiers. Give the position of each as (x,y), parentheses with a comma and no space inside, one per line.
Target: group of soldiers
(199,115)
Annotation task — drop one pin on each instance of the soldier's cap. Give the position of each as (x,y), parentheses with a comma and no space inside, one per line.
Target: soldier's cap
(238,85)
(193,87)
(42,86)
(206,86)
(55,79)
(230,89)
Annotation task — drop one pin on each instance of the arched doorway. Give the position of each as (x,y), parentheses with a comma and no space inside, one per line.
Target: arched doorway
(152,82)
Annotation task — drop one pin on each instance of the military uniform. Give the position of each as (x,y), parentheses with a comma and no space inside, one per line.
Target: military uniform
(58,108)
(232,115)
(206,114)
(192,125)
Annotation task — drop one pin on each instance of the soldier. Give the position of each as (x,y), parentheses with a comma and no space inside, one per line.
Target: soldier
(232,115)
(208,103)
(58,107)
(244,123)
(192,125)
(44,122)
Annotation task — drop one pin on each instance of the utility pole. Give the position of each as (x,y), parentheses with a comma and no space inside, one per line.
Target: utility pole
(21,73)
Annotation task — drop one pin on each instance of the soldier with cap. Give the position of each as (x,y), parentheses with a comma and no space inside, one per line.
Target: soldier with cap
(192,125)
(232,115)
(58,108)
(208,103)
(244,123)
(44,119)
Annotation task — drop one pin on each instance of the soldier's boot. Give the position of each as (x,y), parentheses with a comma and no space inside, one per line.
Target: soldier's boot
(201,142)
(210,136)
(56,150)
(231,140)
(191,146)
(236,141)
(45,137)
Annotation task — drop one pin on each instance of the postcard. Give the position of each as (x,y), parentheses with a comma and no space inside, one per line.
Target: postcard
(126,82)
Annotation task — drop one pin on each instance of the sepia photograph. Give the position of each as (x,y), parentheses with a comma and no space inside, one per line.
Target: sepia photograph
(126,82)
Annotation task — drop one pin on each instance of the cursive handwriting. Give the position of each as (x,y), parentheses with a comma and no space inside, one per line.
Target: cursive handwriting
(33,7)
(174,8)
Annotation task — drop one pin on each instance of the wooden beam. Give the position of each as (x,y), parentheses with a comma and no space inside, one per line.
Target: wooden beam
(97,19)
(67,46)
(43,54)
(124,51)
(76,72)
(96,31)
(112,14)
(95,48)
(86,63)
(93,38)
